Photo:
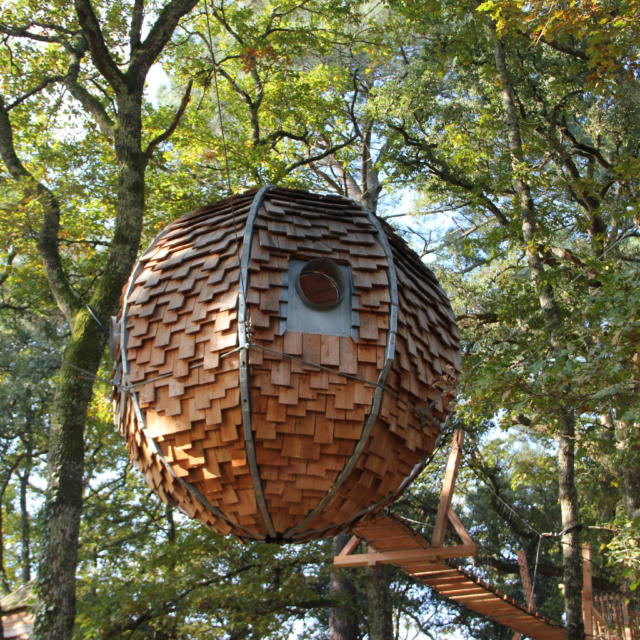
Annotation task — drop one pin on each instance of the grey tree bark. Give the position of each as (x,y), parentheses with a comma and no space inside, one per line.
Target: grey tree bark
(629,471)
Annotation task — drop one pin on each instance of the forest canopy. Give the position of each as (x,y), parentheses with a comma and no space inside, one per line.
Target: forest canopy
(501,139)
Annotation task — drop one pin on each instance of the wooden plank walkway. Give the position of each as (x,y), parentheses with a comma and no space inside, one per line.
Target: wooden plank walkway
(396,543)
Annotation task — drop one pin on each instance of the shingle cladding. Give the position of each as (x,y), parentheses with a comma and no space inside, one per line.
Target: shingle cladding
(310,395)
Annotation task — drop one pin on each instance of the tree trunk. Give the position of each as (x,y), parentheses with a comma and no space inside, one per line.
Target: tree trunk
(568,495)
(343,623)
(379,603)
(629,472)
(3,574)
(370,177)
(55,611)
(630,484)
(570,539)
(56,608)
(25,522)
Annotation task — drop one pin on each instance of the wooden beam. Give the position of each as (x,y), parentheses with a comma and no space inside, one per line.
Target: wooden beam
(413,556)
(587,591)
(459,528)
(448,485)
(350,547)
(432,570)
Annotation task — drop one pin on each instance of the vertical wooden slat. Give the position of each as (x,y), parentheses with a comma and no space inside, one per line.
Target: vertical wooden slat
(450,475)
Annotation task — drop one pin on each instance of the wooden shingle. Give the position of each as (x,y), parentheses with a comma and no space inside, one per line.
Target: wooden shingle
(308,410)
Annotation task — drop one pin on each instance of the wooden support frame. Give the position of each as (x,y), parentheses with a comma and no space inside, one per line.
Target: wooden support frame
(417,556)
(445,515)
(350,547)
(463,534)
(393,540)
(448,485)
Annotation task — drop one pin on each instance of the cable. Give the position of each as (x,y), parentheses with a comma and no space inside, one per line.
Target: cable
(510,507)
(535,574)
(93,314)
(222,134)
(209,42)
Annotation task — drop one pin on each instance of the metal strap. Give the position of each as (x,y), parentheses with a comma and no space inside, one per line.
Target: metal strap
(141,420)
(243,341)
(382,379)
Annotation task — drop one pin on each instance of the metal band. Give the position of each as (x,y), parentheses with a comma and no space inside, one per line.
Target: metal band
(390,497)
(382,379)
(243,341)
(417,469)
(142,423)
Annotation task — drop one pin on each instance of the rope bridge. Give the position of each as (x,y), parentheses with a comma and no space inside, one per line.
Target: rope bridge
(391,540)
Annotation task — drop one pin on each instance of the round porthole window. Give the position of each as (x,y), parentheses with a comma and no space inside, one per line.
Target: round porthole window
(320,284)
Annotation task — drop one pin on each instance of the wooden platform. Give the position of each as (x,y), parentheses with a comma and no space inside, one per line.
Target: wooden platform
(391,541)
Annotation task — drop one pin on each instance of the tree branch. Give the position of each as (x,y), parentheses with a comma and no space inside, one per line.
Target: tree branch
(23,32)
(159,35)
(80,93)
(275,136)
(43,85)
(7,270)
(218,68)
(222,19)
(97,46)
(330,180)
(168,606)
(135,29)
(488,317)
(168,132)
(48,238)
(443,171)
(505,566)
(576,53)
(319,156)
(585,149)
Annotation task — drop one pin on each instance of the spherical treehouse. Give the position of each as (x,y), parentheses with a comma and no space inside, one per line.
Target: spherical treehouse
(284,364)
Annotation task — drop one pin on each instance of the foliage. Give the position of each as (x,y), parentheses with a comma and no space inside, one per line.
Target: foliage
(27,362)
(362,98)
